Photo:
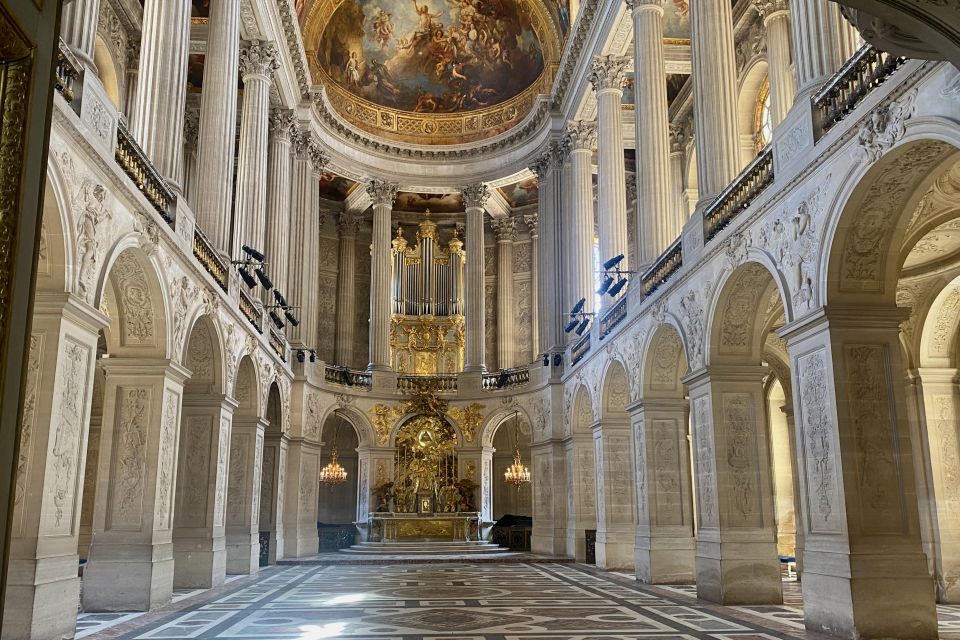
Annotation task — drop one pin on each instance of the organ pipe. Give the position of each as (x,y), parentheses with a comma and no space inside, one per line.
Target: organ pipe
(427,277)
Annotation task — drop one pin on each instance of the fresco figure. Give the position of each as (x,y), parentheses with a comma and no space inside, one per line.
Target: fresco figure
(353,70)
(383,28)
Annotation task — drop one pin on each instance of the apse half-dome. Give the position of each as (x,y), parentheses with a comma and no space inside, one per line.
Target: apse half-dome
(432,71)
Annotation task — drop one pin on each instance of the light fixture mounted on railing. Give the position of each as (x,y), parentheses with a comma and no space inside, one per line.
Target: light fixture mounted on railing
(257,262)
(614,278)
(579,319)
(303,354)
(283,306)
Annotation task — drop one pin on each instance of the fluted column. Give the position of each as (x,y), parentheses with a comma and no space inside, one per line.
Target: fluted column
(156,120)
(383,194)
(549,276)
(607,79)
(776,20)
(258,61)
(277,244)
(822,42)
(347,223)
(655,222)
(132,80)
(475,198)
(218,123)
(191,133)
(78,28)
(714,78)
(506,230)
(531,220)
(679,211)
(582,138)
(310,257)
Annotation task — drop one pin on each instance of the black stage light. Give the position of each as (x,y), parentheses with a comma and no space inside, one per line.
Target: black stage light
(248,279)
(546,359)
(583,326)
(262,277)
(612,262)
(292,319)
(617,288)
(570,325)
(279,298)
(577,308)
(253,253)
(301,355)
(276,319)
(605,285)
(313,355)
(557,359)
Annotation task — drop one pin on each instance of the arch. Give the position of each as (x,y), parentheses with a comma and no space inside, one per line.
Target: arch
(664,364)
(108,70)
(204,358)
(357,420)
(504,498)
(940,337)
(133,295)
(583,415)
(736,317)
(54,264)
(615,394)
(273,411)
(872,213)
(338,504)
(247,393)
(497,419)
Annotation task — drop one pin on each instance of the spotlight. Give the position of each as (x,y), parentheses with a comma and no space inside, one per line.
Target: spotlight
(617,288)
(248,279)
(570,325)
(276,319)
(583,326)
(546,359)
(262,277)
(557,359)
(253,253)
(301,355)
(612,262)
(605,285)
(577,308)
(279,298)
(292,319)
(313,355)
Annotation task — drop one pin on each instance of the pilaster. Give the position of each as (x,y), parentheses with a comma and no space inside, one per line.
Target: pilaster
(243,495)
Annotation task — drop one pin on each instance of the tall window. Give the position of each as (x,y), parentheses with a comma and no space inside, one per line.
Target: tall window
(763,129)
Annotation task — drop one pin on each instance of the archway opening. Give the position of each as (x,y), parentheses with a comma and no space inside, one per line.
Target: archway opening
(337,503)
(511,502)
(271,480)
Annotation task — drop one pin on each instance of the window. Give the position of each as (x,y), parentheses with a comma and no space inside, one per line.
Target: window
(763,129)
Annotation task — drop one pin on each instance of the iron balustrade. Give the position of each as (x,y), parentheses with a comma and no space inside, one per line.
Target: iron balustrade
(613,317)
(739,194)
(279,344)
(347,377)
(666,265)
(251,311)
(68,73)
(213,262)
(505,378)
(580,349)
(141,171)
(866,70)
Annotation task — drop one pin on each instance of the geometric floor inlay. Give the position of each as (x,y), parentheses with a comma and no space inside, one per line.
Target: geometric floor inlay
(515,601)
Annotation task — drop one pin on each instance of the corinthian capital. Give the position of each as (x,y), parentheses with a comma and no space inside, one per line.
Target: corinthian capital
(582,135)
(608,72)
(348,222)
(382,192)
(505,227)
(532,220)
(767,8)
(542,165)
(259,58)
(475,195)
(282,123)
(678,138)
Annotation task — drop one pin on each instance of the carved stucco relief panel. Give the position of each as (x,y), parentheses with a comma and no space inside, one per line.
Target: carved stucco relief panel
(666,482)
(129,458)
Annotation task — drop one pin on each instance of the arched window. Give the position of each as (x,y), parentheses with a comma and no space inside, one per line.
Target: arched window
(762,128)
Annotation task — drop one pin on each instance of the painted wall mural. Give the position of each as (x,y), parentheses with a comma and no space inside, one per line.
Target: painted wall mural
(676,19)
(520,194)
(431,56)
(435,202)
(334,187)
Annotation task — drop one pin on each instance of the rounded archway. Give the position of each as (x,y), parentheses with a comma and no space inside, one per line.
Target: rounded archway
(511,436)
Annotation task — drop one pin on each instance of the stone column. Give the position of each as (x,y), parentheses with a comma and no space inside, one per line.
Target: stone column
(475,198)
(864,573)
(535,347)
(582,138)
(607,78)
(737,530)
(130,565)
(549,280)
(776,20)
(616,531)
(714,79)
(199,534)
(156,120)
(679,208)
(665,542)
(581,493)
(655,223)
(506,230)
(300,539)
(42,583)
(243,495)
(310,258)
(822,42)
(272,492)
(78,28)
(258,61)
(218,122)
(191,134)
(547,472)
(346,285)
(132,80)
(277,243)
(382,193)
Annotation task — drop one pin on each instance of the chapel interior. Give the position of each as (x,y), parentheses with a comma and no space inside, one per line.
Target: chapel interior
(469,319)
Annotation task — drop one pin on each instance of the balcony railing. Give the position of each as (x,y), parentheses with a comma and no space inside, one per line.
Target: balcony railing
(742,191)
(67,73)
(440,382)
(505,378)
(666,265)
(278,344)
(135,164)
(613,317)
(212,261)
(347,377)
(251,311)
(579,350)
(861,74)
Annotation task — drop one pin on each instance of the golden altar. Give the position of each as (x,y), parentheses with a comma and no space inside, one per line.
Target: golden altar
(454,527)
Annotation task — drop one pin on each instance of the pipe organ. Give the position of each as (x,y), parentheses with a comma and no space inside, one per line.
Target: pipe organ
(426,334)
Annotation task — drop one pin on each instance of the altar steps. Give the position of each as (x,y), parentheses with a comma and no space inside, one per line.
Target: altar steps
(427,549)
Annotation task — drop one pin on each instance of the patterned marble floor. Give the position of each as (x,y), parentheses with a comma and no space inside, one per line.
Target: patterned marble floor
(461,602)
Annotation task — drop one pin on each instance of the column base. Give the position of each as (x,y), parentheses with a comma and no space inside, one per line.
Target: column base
(302,546)
(892,596)
(201,562)
(128,577)
(666,560)
(36,610)
(549,542)
(576,546)
(615,550)
(739,573)
(243,553)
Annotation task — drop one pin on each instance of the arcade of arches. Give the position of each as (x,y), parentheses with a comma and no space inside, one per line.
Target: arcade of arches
(528,319)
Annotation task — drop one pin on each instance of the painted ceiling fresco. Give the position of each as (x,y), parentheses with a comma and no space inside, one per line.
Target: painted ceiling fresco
(435,202)
(521,194)
(676,19)
(431,56)
(334,187)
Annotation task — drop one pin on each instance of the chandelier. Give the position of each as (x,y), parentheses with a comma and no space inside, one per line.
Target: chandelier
(333,474)
(516,474)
